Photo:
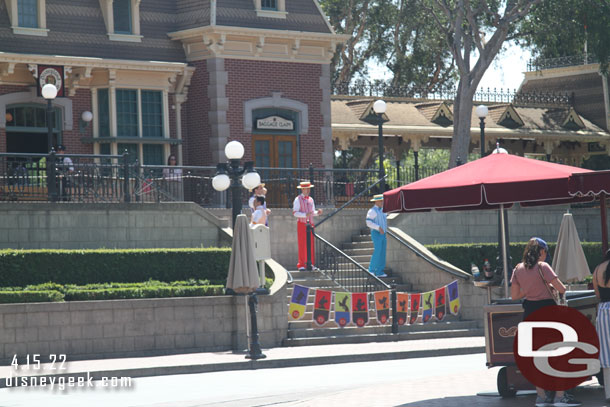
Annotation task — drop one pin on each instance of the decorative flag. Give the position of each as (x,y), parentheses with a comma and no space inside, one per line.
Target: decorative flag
(382,305)
(440,308)
(360,308)
(454,298)
(427,306)
(402,303)
(298,301)
(321,307)
(343,308)
(415,304)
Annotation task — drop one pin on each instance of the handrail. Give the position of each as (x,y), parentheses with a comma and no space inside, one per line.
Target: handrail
(322,265)
(427,258)
(351,200)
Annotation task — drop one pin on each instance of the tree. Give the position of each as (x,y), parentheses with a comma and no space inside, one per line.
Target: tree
(562,28)
(465,23)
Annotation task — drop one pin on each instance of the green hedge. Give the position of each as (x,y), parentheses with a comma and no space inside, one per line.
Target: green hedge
(146,292)
(30,296)
(461,255)
(26,267)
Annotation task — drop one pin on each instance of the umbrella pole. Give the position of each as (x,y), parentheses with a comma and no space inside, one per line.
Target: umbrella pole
(602,205)
(504,254)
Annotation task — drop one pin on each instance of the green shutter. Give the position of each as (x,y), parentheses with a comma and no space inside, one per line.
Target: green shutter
(103,113)
(152,114)
(127,113)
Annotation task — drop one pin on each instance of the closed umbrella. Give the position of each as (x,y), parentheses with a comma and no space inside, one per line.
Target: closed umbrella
(243,271)
(569,260)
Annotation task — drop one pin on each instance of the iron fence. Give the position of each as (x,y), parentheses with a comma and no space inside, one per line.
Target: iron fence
(537,64)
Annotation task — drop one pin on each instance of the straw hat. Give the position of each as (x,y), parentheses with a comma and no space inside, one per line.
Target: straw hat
(378,197)
(262,184)
(305,184)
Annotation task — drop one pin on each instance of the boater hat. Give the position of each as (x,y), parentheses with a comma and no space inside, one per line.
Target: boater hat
(377,198)
(262,184)
(305,184)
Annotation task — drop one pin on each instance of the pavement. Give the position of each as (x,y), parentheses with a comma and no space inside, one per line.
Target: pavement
(275,358)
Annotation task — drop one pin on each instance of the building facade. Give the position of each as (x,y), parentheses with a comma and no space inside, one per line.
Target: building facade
(161,77)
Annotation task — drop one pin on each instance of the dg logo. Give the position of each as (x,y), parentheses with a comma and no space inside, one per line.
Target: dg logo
(557,348)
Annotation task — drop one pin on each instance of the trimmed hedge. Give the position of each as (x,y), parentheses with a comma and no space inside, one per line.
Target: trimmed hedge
(461,255)
(26,267)
(146,292)
(30,296)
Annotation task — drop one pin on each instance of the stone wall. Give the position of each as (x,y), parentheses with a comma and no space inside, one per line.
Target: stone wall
(482,226)
(122,328)
(112,225)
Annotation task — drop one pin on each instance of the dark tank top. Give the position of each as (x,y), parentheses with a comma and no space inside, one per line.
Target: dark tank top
(604,294)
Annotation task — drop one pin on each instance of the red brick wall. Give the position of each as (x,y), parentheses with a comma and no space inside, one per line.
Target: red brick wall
(258,79)
(196,131)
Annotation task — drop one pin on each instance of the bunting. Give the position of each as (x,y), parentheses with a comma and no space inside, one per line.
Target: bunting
(298,302)
(427,306)
(343,308)
(440,309)
(415,303)
(321,308)
(382,305)
(360,308)
(454,298)
(402,302)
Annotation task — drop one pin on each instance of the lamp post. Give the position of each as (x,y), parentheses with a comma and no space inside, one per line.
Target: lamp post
(378,117)
(482,111)
(227,175)
(49,92)
(503,235)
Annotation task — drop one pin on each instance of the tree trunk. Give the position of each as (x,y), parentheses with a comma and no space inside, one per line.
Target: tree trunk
(462,115)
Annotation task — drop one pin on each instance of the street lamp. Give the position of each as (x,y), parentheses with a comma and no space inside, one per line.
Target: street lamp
(378,117)
(503,233)
(227,175)
(49,92)
(481,111)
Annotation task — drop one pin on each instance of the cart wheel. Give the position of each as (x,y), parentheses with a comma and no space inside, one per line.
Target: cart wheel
(600,378)
(503,388)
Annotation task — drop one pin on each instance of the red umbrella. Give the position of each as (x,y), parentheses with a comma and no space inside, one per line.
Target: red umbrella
(495,181)
(498,179)
(593,184)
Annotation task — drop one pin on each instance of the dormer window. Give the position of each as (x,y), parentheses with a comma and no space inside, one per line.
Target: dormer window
(270,8)
(28,17)
(122,18)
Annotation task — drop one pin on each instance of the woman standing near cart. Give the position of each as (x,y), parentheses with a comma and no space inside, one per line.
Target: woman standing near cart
(601,284)
(530,280)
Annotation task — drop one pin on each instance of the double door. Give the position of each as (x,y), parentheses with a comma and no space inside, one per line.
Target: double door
(276,152)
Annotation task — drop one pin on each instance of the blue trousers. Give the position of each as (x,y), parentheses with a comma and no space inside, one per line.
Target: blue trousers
(378,259)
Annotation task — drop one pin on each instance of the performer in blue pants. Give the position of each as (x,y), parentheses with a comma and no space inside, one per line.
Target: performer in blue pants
(376,220)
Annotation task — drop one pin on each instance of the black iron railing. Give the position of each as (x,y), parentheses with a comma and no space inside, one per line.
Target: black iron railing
(538,64)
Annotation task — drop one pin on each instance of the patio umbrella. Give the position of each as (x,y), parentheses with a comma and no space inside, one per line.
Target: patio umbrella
(243,271)
(569,260)
(495,181)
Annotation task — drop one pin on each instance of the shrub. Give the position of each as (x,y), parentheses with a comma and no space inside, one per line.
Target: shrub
(30,296)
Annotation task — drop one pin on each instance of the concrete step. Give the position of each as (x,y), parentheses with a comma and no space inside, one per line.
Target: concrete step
(361,238)
(368,252)
(357,245)
(386,337)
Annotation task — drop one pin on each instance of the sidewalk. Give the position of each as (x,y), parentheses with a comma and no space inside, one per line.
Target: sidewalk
(275,358)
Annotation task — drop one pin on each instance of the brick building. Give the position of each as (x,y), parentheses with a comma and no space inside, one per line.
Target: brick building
(163,77)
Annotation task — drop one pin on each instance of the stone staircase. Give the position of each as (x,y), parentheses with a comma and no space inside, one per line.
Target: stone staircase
(305,332)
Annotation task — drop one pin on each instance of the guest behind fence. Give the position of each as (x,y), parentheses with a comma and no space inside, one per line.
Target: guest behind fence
(66,169)
(173,179)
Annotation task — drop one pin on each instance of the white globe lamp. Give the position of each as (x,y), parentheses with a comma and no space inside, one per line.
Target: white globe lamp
(251,180)
(379,107)
(221,182)
(49,91)
(234,150)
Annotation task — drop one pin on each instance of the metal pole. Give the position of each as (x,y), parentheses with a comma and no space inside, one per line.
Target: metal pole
(602,206)
(381,169)
(234,173)
(394,310)
(309,228)
(49,125)
(504,255)
(482,125)
(416,163)
(254,351)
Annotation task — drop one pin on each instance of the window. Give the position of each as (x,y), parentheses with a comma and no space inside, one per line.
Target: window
(152,114)
(104,114)
(269,5)
(132,150)
(127,113)
(121,12)
(270,8)
(152,154)
(28,13)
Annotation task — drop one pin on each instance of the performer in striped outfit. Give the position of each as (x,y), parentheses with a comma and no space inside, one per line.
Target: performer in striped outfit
(601,284)
(377,221)
(304,209)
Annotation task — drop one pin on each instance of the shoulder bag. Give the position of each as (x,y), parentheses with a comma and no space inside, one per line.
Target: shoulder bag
(555,295)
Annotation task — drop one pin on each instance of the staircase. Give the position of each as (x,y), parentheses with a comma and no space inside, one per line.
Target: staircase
(305,332)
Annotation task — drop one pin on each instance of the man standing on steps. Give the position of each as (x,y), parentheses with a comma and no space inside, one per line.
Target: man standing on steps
(304,209)
(377,221)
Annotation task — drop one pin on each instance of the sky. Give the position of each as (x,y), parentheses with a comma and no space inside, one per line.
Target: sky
(506,71)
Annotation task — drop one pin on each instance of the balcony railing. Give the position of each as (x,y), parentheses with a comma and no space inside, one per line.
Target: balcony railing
(538,64)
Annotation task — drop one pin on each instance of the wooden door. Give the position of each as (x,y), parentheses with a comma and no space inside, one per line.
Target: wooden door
(276,152)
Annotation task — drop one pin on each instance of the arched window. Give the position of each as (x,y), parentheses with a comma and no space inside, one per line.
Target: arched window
(31,118)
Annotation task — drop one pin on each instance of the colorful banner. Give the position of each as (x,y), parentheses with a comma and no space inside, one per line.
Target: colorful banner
(427,306)
(382,305)
(321,307)
(440,308)
(360,308)
(415,304)
(343,308)
(402,303)
(298,302)
(454,298)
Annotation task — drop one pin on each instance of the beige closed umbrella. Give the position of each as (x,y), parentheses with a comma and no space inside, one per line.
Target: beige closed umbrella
(569,260)
(243,271)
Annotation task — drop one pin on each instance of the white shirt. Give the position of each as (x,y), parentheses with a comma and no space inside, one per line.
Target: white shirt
(251,202)
(68,164)
(296,209)
(372,214)
(259,216)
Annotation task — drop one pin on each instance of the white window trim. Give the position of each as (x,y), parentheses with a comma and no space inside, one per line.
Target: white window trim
(279,13)
(107,12)
(13,14)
